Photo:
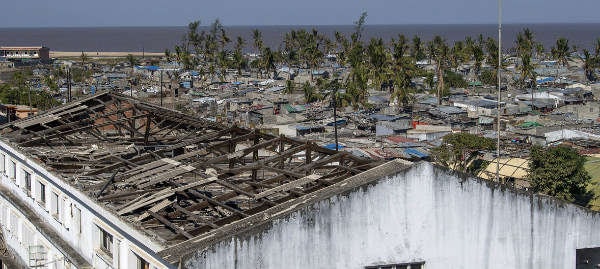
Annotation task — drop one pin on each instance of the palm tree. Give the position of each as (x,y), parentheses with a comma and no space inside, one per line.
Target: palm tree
(561,51)
(403,69)
(376,53)
(310,93)
(589,64)
(238,56)
(268,61)
(439,51)
(416,49)
(312,54)
(491,47)
(84,59)
(132,61)
(258,45)
(527,70)
(289,87)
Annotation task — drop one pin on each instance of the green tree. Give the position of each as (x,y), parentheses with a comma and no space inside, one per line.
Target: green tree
(84,58)
(239,61)
(132,61)
(416,49)
(310,93)
(439,51)
(378,61)
(258,46)
(589,64)
(289,87)
(458,150)
(527,71)
(561,51)
(403,68)
(559,172)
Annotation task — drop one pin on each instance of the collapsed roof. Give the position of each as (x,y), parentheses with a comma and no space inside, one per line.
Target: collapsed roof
(174,176)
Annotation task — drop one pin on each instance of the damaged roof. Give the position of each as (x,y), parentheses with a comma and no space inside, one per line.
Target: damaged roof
(174,176)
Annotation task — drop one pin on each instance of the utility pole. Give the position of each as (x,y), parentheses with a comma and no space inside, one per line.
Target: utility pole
(69,84)
(30,107)
(161,87)
(499,87)
(335,117)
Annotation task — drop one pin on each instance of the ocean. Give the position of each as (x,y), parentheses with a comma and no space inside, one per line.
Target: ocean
(157,39)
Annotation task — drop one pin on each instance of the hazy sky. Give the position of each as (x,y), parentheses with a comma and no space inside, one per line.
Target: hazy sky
(51,13)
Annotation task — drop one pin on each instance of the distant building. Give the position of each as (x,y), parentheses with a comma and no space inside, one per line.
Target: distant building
(10,112)
(4,64)
(21,53)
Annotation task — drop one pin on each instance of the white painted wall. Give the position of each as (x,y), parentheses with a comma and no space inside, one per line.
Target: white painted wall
(423,214)
(20,234)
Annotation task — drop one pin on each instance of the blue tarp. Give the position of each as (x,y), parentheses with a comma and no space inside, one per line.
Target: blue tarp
(544,80)
(151,68)
(338,123)
(332,146)
(416,153)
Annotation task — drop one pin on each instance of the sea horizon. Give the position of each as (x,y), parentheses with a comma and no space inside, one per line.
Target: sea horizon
(159,38)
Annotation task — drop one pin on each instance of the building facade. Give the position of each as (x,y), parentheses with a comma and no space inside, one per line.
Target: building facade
(21,53)
(49,223)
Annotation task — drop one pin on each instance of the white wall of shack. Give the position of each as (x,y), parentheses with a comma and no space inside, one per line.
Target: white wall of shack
(422,214)
(128,244)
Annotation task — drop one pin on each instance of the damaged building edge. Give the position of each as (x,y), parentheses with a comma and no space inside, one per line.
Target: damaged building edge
(259,222)
(115,222)
(42,227)
(66,159)
(99,215)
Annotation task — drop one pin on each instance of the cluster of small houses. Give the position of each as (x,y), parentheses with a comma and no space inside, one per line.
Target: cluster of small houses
(544,115)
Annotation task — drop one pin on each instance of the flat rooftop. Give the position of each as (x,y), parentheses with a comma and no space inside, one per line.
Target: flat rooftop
(173,176)
(22,48)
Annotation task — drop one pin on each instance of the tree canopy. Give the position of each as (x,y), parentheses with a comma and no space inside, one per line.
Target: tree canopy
(458,150)
(559,172)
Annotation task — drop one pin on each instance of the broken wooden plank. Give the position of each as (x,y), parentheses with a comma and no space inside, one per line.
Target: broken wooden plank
(169,224)
(162,195)
(155,208)
(161,177)
(193,216)
(288,186)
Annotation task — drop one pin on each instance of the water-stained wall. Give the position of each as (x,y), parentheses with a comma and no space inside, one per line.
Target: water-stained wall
(423,213)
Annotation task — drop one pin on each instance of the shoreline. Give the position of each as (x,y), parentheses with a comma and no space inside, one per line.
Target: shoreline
(103,54)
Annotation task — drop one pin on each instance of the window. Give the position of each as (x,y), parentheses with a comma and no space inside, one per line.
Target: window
(54,206)
(13,223)
(27,178)
(141,263)
(12,170)
(76,219)
(42,193)
(106,243)
(2,164)
(410,265)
